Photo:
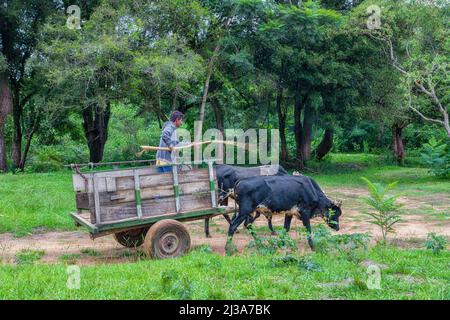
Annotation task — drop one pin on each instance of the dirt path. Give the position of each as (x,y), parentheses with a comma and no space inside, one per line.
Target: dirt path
(60,247)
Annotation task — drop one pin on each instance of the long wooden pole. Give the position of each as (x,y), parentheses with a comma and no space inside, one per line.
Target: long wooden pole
(237,144)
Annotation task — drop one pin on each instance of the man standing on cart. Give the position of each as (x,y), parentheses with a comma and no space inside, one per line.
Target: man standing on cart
(164,158)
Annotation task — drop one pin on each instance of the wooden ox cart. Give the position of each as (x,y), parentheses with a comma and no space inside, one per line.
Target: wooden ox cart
(141,206)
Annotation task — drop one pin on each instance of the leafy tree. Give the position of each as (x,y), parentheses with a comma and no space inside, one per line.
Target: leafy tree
(384,209)
(414,36)
(87,70)
(436,156)
(20,24)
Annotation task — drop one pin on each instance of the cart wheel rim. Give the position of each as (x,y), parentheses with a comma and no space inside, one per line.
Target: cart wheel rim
(169,243)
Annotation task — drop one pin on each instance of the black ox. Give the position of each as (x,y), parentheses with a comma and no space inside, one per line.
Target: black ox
(292,195)
(228,176)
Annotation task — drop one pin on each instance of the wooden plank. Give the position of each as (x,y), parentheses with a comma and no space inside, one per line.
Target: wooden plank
(82,200)
(163,179)
(111,184)
(124,179)
(127,173)
(134,222)
(212,185)
(156,207)
(137,194)
(96,200)
(125,196)
(87,201)
(176,188)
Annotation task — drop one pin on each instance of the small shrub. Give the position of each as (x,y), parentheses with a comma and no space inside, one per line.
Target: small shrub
(47,159)
(29,256)
(90,252)
(436,156)
(352,246)
(174,284)
(70,258)
(272,245)
(435,242)
(203,249)
(283,261)
(384,209)
(306,263)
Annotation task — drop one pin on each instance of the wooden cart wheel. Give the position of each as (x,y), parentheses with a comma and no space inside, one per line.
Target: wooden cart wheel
(167,239)
(131,238)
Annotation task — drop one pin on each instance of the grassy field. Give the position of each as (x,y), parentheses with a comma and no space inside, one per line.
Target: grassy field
(31,202)
(405,274)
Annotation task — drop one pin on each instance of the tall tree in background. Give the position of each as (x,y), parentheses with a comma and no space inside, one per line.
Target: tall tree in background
(5,109)
(20,24)
(88,69)
(299,34)
(414,36)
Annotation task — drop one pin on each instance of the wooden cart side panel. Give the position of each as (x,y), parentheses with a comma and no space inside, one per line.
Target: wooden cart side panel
(86,201)
(124,180)
(117,196)
(156,207)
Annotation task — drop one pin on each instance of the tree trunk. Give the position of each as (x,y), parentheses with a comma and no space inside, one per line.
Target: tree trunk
(398,146)
(282,124)
(30,135)
(95,125)
(198,134)
(175,100)
(215,55)
(17,137)
(307,131)
(218,112)
(298,128)
(3,165)
(325,145)
(5,110)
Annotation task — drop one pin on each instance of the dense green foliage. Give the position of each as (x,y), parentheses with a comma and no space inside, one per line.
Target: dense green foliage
(313,69)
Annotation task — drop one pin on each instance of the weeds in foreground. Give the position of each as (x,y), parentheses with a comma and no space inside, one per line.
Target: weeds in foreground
(69,258)
(282,242)
(179,286)
(435,242)
(29,256)
(90,252)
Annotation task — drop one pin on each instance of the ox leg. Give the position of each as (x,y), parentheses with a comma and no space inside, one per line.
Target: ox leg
(307,224)
(250,219)
(235,223)
(227,217)
(287,222)
(207,234)
(269,222)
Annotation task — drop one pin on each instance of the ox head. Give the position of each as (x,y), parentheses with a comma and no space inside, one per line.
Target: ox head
(332,215)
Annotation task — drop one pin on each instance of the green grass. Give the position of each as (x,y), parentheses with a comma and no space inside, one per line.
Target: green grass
(27,256)
(31,202)
(69,258)
(410,274)
(412,180)
(90,252)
